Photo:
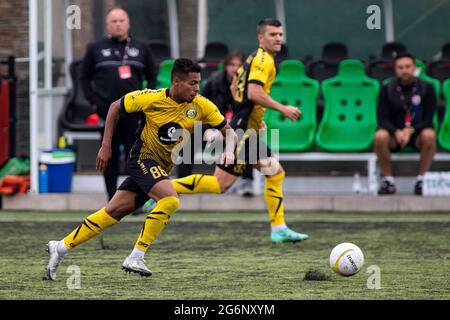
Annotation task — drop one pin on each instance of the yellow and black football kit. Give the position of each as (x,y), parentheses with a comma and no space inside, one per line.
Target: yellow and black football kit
(150,159)
(259,68)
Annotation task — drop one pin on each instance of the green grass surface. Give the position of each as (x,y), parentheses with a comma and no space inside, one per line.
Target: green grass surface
(229,256)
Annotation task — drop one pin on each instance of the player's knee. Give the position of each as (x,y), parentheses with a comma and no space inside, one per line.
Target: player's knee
(382,137)
(428,136)
(270,167)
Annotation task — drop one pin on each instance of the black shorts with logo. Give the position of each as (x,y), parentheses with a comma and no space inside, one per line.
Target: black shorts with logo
(144,174)
(249,150)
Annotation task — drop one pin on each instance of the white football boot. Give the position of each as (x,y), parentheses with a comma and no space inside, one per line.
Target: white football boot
(54,260)
(136,264)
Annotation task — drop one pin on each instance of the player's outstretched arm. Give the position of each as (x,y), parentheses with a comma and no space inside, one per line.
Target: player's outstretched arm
(257,94)
(104,154)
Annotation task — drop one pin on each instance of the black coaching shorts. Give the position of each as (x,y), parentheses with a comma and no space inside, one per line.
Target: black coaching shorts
(249,150)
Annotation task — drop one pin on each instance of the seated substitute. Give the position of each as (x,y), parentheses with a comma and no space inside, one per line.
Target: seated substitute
(406,107)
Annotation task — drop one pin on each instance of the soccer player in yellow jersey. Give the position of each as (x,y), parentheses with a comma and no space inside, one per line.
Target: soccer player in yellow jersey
(251,88)
(165,113)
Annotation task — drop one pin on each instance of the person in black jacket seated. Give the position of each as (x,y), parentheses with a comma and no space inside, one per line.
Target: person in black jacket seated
(112,67)
(406,107)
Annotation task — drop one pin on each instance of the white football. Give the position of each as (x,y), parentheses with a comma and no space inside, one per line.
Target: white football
(346,259)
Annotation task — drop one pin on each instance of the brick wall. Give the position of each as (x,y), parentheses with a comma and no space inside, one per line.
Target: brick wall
(14,41)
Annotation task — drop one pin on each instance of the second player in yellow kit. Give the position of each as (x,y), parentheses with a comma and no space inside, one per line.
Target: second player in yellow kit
(259,68)
(251,88)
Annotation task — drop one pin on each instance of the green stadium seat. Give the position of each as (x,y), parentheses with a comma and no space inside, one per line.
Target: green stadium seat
(293,87)
(444,132)
(425,77)
(349,119)
(434,83)
(163,78)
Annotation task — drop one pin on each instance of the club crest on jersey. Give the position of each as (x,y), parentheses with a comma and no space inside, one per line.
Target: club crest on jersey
(415,99)
(191,113)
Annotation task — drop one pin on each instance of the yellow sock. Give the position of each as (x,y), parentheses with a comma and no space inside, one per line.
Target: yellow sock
(196,183)
(273,195)
(92,226)
(156,221)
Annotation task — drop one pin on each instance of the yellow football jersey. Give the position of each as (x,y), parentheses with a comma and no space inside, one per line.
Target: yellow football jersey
(164,117)
(258,68)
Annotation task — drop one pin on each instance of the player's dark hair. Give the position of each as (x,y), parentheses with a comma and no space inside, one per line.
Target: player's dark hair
(261,27)
(234,54)
(404,55)
(182,67)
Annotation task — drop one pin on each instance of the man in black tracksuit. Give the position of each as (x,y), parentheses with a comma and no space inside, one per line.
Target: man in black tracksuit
(112,67)
(406,107)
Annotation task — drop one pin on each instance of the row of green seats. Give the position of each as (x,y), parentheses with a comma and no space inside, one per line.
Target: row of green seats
(349,120)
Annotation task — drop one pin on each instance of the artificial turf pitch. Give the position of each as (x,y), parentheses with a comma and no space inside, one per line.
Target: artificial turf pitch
(230,256)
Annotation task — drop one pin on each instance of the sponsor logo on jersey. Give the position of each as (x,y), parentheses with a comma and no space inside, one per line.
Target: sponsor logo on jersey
(167,133)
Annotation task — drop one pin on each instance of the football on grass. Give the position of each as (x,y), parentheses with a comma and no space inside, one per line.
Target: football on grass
(346,259)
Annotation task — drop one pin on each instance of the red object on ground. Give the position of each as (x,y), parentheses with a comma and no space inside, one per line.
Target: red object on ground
(92,120)
(14,184)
